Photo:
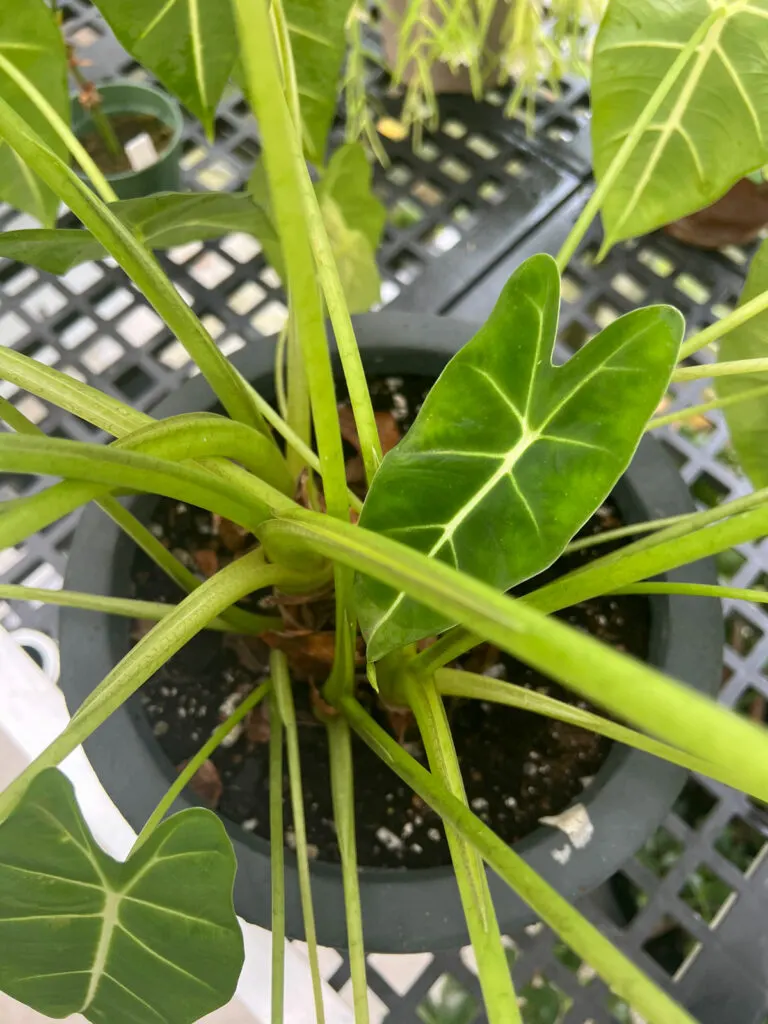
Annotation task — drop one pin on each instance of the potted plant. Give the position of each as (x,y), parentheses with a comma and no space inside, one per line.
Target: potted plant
(433,48)
(504,462)
(353,216)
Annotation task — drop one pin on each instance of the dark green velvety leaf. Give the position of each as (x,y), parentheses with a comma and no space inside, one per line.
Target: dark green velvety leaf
(711,130)
(318,43)
(151,941)
(509,454)
(32,59)
(190,45)
(347,181)
(748,420)
(161,221)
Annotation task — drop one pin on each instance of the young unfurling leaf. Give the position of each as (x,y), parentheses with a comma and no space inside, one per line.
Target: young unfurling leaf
(510,454)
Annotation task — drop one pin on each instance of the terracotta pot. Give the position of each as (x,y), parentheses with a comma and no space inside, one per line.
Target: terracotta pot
(736,219)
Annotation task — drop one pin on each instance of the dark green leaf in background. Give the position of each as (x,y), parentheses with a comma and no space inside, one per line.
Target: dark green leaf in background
(161,221)
(32,58)
(151,941)
(712,128)
(509,454)
(748,420)
(189,45)
(318,42)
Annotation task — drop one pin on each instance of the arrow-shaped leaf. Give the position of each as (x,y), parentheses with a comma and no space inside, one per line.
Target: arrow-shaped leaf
(161,221)
(748,418)
(189,45)
(509,454)
(151,941)
(33,64)
(711,129)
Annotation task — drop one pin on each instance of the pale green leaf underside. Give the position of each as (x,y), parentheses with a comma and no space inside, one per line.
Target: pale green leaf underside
(318,43)
(189,45)
(161,221)
(509,454)
(151,941)
(711,130)
(31,46)
(748,420)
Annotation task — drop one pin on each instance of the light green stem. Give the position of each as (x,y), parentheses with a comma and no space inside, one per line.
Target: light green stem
(724,326)
(284,701)
(234,618)
(457,683)
(636,132)
(277,860)
(62,129)
(136,261)
(696,590)
(482,924)
(705,407)
(681,543)
(343,792)
(288,181)
(242,577)
(617,970)
(638,693)
(631,530)
(123,606)
(192,766)
(728,369)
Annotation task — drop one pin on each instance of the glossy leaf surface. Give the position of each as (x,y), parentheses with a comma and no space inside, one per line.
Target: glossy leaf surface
(748,420)
(151,941)
(161,221)
(711,129)
(509,454)
(32,57)
(318,43)
(189,45)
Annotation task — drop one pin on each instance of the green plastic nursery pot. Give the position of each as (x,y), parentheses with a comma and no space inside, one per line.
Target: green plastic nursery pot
(404,910)
(132,98)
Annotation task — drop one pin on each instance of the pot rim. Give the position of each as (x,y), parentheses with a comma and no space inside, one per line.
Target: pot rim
(174,121)
(404,910)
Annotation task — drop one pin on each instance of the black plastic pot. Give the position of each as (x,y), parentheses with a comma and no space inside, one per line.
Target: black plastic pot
(133,98)
(404,911)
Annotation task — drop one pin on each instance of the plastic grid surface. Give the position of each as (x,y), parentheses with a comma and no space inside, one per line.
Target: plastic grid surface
(477,199)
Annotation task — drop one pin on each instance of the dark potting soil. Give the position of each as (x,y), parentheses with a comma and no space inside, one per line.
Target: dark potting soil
(127,127)
(517,766)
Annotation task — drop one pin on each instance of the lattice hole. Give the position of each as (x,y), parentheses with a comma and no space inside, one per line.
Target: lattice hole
(405,213)
(661,852)
(695,804)
(670,945)
(740,843)
(741,633)
(708,489)
(630,898)
(656,261)
(706,893)
(448,1002)
(542,1002)
(729,563)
